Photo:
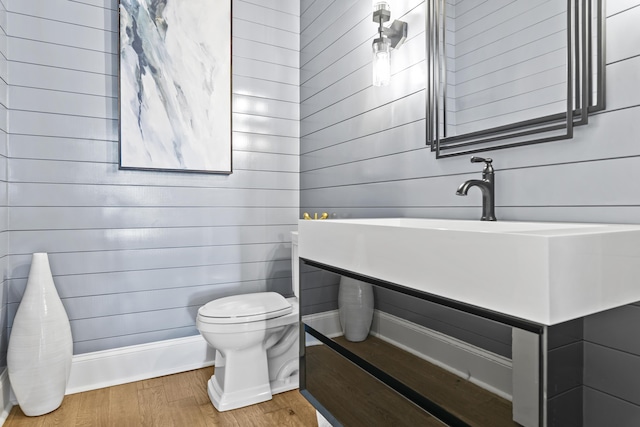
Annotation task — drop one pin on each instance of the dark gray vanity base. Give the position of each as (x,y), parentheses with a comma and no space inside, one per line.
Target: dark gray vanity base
(562,390)
(565,374)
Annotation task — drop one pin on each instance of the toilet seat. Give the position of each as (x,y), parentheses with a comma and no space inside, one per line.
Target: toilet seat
(244,308)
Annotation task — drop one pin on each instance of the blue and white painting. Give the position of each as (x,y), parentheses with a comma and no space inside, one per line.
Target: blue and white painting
(175,85)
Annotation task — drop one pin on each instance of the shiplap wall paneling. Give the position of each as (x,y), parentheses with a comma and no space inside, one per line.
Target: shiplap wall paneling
(609,137)
(133,253)
(373,162)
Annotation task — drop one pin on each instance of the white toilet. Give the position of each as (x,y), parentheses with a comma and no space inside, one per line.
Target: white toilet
(256,341)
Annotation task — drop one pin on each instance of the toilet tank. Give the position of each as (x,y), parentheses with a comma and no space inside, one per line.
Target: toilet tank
(295,264)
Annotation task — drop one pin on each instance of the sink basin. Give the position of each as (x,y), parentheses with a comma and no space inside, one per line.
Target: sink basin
(545,273)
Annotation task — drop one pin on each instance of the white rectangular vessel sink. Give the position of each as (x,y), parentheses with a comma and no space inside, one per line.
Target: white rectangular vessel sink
(545,273)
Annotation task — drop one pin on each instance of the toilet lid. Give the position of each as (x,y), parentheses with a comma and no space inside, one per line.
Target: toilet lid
(245,308)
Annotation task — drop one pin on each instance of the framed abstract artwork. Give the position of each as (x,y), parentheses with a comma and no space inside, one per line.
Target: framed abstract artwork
(175,85)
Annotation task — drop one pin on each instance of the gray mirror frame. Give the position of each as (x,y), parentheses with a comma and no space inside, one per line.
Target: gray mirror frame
(581,65)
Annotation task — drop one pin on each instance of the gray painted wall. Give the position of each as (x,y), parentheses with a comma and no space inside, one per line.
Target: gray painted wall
(135,253)
(4,241)
(363,155)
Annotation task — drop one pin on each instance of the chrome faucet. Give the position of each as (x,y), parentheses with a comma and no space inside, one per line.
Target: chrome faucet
(486,186)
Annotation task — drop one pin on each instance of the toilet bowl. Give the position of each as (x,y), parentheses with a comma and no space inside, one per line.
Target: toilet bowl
(256,341)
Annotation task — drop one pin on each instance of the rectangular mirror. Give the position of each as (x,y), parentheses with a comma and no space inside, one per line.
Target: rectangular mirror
(508,73)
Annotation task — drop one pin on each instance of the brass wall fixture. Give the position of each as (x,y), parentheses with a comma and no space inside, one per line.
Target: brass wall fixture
(324,215)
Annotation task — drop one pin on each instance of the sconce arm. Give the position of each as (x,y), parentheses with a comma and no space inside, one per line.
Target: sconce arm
(396,33)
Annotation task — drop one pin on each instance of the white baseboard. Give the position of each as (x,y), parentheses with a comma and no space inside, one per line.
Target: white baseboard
(139,362)
(5,395)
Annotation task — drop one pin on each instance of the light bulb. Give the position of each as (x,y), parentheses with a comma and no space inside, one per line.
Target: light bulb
(381,5)
(381,62)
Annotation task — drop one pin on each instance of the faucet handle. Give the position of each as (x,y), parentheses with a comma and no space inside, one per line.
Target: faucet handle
(475,159)
(488,169)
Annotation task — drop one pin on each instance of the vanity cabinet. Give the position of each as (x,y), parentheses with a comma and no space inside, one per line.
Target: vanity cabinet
(475,322)
(409,372)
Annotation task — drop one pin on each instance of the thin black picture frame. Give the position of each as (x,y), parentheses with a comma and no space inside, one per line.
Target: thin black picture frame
(228,171)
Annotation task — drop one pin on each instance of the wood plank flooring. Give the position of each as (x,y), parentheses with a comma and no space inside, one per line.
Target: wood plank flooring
(178,400)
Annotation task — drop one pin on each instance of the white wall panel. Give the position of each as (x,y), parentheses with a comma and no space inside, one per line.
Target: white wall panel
(399,112)
(3,143)
(67,34)
(92,345)
(61,79)
(258,32)
(53,194)
(261,88)
(107,4)
(124,282)
(353,75)
(617,6)
(73,58)
(266,143)
(91,262)
(291,7)
(144,238)
(63,103)
(264,52)
(623,35)
(310,13)
(314,24)
(265,125)
(267,15)
(72,12)
(406,83)
(243,67)
(265,107)
(406,138)
(46,218)
(50,124)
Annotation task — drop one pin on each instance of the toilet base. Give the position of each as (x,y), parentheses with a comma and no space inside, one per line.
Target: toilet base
(227,401)
(288,384)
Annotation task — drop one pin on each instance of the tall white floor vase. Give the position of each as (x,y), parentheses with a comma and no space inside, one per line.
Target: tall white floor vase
(40,345)
(355,306)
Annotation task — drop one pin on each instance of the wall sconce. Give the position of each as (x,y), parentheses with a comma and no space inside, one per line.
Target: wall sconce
(391,37)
